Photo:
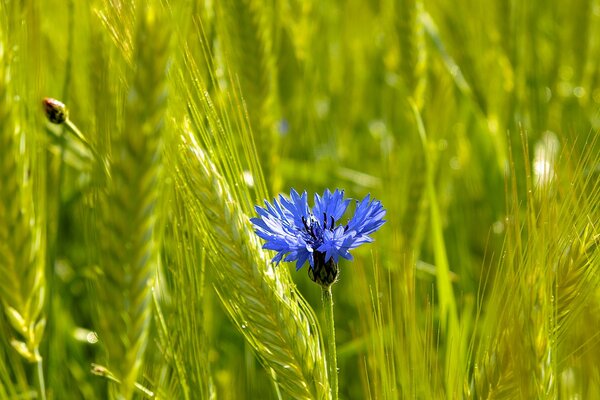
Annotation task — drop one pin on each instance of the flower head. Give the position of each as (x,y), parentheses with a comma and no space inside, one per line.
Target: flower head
(298,233)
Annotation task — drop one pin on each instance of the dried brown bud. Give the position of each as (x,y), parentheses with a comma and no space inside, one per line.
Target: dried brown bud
(56,112)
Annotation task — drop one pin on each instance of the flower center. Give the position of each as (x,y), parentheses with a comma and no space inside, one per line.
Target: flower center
(314,229)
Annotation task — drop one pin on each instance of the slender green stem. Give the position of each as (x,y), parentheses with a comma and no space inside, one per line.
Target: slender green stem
(75,131)
(40,372)
(331,352)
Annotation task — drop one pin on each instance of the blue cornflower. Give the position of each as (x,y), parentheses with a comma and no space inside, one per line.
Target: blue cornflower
(299,233)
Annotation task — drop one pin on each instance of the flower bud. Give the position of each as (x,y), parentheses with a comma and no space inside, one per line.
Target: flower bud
(56,112)
(324,273)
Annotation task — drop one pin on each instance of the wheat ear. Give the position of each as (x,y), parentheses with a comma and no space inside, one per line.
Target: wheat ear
(127,209)
(413,56)
(181,332)
(262,303)
(22,248)
(22,212)
(246,26)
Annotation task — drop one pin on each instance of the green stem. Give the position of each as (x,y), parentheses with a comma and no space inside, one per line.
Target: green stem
(40,372)
(75,131)
(331,353)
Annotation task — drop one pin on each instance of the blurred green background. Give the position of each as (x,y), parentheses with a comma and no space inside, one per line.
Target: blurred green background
(483,283)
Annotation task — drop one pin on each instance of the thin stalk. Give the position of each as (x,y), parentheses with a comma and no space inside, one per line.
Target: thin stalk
(331,349)
(40,373)
(75,131)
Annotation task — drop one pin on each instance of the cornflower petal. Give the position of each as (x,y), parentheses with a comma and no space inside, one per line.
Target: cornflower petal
(332,205)
(368,217)
(296,208)
(336,244)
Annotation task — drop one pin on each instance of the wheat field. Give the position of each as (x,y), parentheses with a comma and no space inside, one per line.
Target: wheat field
(136,138)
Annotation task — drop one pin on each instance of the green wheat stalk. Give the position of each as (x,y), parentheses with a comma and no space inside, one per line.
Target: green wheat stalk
(506,360)
(183,341)
(263,304)
(413,54)
(22,240)
(247,27)
(413,71)
(127,208)
(547,277)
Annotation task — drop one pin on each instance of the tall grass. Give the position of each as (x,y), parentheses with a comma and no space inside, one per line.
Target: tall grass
(128,265)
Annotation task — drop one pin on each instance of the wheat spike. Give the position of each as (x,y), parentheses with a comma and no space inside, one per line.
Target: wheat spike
(22,248)
(516,358)
(249,53)
(127,208)
(413,56)
(576,278)
(182,338)
(264,306)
